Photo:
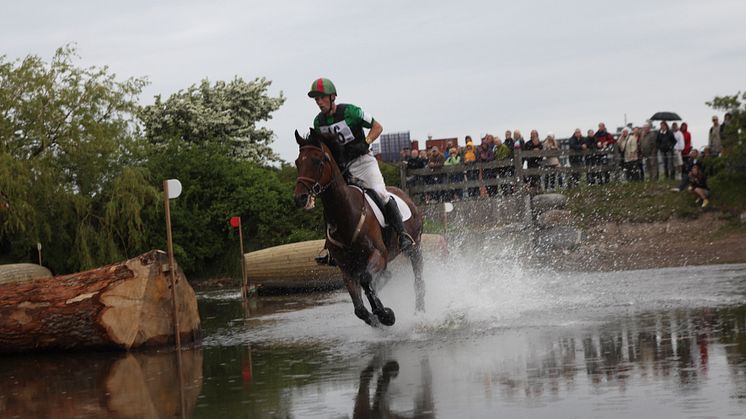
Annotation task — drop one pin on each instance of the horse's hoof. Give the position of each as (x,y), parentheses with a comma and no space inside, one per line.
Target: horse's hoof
(387,318)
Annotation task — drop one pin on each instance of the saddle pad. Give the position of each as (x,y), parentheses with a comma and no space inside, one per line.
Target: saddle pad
(406,213)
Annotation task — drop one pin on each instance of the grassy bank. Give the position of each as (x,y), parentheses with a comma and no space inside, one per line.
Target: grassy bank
(647,202)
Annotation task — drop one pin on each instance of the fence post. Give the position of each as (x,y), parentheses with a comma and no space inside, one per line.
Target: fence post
(518,164)
(403,177)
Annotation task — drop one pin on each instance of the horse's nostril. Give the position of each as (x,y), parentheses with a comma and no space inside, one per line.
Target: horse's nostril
(301,200)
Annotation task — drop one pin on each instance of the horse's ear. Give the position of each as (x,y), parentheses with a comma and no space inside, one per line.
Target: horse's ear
(298,139)
(313,137)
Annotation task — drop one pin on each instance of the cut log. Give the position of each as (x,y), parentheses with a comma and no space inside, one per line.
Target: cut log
(120,306)
(18,272)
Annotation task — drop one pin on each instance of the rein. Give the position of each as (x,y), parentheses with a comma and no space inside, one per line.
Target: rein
(315,189)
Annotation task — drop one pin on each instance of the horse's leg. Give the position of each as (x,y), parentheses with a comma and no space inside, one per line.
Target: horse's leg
(353,287)
(415,256)
(385,315)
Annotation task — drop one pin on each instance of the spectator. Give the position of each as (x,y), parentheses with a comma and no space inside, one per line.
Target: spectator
(518,141)
(404,154)
(485,151)
(686,169)
(486,155)
(687,141)
(649,152)
(447,151)
(665,142)
(502,152)
(628,145)
(509,141)
(533,162)
(576,162)
(415,161)
(604,142)
(469,154)
(714,143)
(454,159)
(678,149)
(698,185)
(591,160)
(728,136)
(472,174)
(552,162)
(435,163)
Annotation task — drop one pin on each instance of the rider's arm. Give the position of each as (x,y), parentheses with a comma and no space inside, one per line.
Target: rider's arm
(375,130)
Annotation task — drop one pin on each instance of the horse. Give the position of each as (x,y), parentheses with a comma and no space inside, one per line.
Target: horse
(354,238)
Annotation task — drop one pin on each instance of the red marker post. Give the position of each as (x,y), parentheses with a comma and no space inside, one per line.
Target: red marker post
(236,223)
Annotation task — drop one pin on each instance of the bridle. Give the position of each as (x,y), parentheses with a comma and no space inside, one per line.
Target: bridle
(312,185)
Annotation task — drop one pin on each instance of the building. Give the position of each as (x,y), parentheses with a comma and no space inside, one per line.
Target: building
(441,143)
(391,145)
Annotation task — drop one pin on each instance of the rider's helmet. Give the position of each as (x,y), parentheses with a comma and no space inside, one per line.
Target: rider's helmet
(322,87)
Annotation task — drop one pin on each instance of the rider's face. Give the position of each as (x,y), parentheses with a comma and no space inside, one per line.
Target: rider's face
(324,103)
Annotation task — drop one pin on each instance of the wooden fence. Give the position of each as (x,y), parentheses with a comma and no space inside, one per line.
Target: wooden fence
(500,177)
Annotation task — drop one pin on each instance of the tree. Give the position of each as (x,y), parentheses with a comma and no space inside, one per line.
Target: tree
(728,183)
(64,132)
(225,113)
(216,187)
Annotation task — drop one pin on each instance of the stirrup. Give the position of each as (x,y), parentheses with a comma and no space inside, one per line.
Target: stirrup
(326,259)
(405,241)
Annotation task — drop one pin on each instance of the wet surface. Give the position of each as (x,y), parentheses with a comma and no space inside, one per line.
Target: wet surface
(495,340)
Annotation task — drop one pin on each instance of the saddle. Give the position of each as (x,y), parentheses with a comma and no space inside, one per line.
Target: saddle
(377,205)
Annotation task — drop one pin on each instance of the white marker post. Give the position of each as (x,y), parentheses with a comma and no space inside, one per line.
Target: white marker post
(172,190)
(38,250)
(447,207)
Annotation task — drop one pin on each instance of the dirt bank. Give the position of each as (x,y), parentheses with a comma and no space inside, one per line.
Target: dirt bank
(708,239)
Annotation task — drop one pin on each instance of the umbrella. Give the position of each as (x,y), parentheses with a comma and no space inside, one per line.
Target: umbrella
(665,116)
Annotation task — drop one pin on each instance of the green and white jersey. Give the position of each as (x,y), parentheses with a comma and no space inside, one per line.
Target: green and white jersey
(343,132)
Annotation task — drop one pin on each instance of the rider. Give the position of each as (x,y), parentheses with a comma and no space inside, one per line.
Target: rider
(341,126)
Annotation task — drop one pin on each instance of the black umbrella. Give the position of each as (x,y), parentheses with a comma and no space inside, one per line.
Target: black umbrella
(665,116)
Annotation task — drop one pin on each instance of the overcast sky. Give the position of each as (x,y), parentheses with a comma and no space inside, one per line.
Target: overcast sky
(445,69)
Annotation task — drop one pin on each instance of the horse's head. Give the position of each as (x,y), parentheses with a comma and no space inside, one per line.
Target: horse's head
(315,169)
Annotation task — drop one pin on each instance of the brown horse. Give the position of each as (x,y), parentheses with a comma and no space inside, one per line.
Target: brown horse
(361,248)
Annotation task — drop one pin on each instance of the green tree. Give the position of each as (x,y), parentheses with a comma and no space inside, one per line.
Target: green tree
(216,187)
(727,184)
(64,132)
(225,113)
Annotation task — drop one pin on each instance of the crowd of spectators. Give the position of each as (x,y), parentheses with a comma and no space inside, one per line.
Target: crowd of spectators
(640,152)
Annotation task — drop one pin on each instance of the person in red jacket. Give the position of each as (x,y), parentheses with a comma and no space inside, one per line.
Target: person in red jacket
(687,140)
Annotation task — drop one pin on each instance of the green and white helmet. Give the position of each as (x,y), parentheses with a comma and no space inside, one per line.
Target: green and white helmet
(322,87)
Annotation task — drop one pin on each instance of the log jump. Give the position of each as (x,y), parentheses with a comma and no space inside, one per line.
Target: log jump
(124,306)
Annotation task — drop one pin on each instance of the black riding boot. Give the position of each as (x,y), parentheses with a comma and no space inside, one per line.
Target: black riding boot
(393,218)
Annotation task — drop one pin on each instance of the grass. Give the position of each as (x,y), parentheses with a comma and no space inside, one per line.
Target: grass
(632,202)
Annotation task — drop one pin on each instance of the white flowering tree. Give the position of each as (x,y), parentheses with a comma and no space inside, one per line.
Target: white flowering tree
(223,113)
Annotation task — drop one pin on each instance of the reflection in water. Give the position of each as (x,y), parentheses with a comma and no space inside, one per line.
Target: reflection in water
(380,407)
(97,385)
(683,362)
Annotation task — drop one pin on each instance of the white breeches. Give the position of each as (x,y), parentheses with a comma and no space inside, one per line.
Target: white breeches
(365,169)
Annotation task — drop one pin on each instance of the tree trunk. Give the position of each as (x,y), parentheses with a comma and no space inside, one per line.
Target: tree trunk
(121,306)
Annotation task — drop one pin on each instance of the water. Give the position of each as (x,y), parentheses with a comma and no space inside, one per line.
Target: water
(496,340)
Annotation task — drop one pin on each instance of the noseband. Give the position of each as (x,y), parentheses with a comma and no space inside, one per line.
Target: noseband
(312,185)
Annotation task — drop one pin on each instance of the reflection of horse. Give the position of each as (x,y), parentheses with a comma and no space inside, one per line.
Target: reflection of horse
(354,237)
(424,406)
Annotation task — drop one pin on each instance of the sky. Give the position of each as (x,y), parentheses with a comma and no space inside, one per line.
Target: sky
(441,69)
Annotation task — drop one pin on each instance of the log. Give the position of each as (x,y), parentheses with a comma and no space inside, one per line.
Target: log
(292,266)
(100,385)
(123,306)
(17,272)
